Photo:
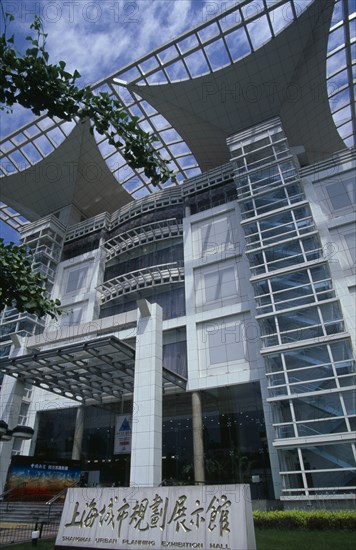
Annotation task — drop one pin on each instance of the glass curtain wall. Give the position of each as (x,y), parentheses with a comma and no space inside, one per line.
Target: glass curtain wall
(309,364)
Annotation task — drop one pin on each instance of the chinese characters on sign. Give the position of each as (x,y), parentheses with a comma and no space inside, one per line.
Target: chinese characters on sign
(143,515)
(184,517)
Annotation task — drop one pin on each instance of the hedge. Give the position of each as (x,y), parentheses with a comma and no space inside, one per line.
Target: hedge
(297,519)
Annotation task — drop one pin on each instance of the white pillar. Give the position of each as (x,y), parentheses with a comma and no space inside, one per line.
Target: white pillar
(198,441)
(78,434)
(146,447)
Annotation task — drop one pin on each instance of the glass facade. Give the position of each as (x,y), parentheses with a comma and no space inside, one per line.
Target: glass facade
(234,435)
(309,362)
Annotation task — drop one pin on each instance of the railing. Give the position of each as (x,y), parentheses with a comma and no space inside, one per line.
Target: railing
(9,491)
(87,226)
(160,199)
(59,495)
(43,249)
(150,232)
(143,278)
(44,270)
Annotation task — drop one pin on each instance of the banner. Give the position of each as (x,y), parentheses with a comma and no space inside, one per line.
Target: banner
(123,433)
(36,479)
(209,517)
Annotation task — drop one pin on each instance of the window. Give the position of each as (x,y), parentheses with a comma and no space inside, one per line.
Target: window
(222,342)
(17,447)
(220,284)
(338,196)
(23,413)
(76,279)
(342,193)
(224,345)
(214,235)
(216,285)
(72,316)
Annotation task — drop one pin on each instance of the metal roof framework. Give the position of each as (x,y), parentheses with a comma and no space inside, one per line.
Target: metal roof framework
(96,371)
(216,43)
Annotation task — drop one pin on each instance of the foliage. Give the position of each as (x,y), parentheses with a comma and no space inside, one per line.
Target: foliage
(19,286)
(299,519)
(31,81)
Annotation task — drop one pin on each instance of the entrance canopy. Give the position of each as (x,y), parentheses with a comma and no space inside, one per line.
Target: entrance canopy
(101,370)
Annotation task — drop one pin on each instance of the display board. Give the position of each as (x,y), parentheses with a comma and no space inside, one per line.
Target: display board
(31,479)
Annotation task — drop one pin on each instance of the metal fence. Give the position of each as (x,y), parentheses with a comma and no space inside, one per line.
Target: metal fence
(25,532)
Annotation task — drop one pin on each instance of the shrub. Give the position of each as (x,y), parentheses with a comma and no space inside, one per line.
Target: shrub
(298,519)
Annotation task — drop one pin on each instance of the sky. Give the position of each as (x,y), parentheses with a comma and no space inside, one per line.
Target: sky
(99,37)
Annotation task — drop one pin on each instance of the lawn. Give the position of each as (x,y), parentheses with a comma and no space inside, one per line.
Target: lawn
(268,539)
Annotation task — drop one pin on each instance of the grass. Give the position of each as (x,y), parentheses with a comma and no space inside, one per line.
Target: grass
(41,545)
(267,539)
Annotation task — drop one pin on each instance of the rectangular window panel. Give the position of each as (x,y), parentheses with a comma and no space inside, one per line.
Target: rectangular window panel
(216,285)
(220,284)
(72,317)
(225,343)
(338,196)
(76,279)
(214,235)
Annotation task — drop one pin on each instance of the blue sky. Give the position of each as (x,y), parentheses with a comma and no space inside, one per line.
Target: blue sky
(99,37)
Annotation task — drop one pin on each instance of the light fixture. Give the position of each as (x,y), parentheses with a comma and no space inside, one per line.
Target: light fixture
(20,432)
(7,435)
(3,428)
(23,432)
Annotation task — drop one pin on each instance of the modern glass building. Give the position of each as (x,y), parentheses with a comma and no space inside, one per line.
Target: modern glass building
(208,327)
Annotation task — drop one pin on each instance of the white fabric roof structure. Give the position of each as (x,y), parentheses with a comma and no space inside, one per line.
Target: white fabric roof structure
(257,60)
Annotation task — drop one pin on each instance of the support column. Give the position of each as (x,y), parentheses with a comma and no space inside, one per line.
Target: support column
(146,447)
(78,434)
(198,442)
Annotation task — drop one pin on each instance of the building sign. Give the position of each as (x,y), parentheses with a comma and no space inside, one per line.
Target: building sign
(210,517)
(123,432)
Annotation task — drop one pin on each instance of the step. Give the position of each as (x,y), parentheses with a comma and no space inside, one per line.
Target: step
(29,512)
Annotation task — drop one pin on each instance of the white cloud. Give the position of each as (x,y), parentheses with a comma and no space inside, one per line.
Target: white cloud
(100,37)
